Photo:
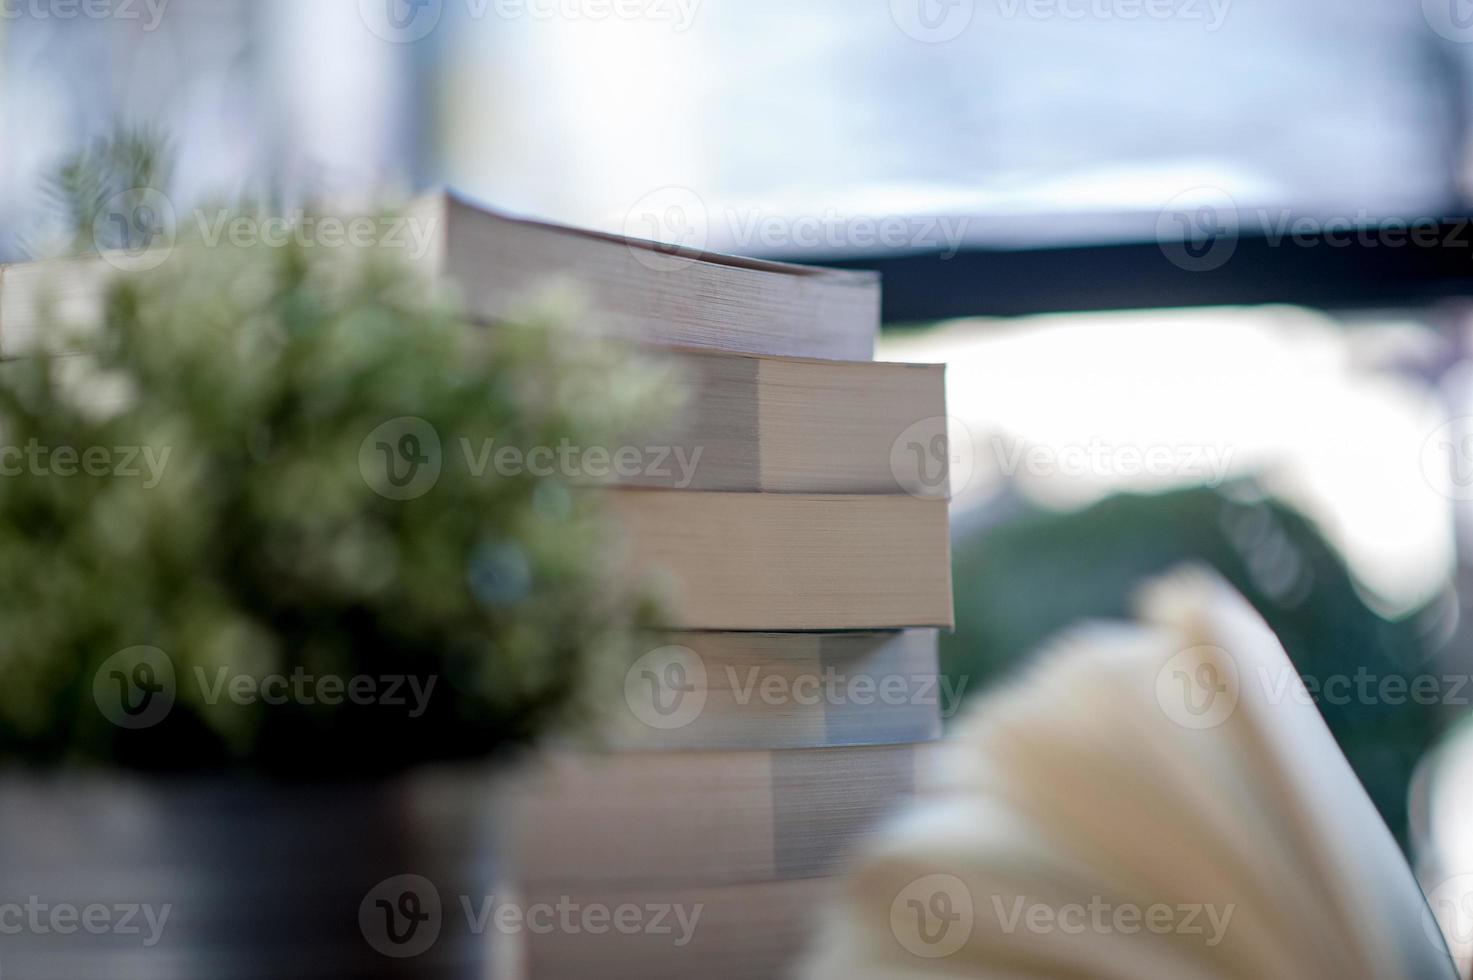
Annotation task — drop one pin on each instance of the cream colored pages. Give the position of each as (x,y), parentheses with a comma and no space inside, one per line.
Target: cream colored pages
(493,265)
(771,561)
(1151,802)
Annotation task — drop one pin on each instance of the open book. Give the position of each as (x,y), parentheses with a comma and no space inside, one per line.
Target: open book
(1150,802)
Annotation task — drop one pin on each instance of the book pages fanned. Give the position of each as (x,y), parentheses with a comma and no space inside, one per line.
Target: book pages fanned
(1150,801)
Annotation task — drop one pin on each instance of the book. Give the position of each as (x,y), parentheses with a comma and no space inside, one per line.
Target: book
(1157,799)
(766,561)
(798,425)
(643,818)
(745,424)
(636,290)
(780,691)
(747,931)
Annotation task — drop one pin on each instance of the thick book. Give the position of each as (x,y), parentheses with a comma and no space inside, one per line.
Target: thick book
(780,691)
(799,425)
(1158,800)
(646,818)
(769,561)
(493,264)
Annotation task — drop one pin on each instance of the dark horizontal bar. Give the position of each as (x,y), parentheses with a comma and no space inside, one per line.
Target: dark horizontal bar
(1342,270)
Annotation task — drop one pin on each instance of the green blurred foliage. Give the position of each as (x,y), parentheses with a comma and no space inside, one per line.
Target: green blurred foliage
(264,549)
(115,173)
(1020,582)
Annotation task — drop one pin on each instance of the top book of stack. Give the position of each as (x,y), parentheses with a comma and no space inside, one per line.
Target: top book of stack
(641,291)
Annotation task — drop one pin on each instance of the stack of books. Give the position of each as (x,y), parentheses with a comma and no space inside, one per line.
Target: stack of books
(806,551)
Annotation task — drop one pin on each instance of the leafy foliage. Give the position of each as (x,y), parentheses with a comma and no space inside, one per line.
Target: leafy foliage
(119,168)
(1018,582)
(265,546)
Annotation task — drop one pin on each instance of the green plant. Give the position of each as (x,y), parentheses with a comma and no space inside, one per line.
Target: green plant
(263,398)
(114,170)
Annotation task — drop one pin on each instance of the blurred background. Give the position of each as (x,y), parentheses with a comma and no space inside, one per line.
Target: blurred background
(1197,266)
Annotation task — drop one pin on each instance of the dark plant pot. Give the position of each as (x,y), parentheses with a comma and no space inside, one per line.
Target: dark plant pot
(259,879)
